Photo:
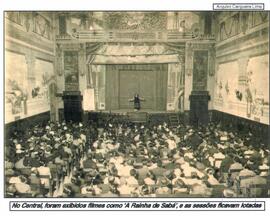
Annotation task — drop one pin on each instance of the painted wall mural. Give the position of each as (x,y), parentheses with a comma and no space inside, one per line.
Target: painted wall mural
(200,70)
(244,95)
(71,69)
(257,87)
(135,20)
(226,85)
(26,95)
(15,83)
(43,76)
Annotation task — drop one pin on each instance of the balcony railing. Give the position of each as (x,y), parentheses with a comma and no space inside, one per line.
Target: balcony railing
(132,36)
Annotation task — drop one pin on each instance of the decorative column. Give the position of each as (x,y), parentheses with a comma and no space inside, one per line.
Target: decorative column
(182,82)
(90,83)
(59,68)
(189,59)
(60,80)
(182,70)
(188,74)
(212,64)
(82,68)
(97,87)
(211,60)
(59,60)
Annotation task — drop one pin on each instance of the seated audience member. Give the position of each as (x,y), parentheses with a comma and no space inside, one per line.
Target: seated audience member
(137,160)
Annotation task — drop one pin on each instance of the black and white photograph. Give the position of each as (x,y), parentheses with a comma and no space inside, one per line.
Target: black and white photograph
(135,104)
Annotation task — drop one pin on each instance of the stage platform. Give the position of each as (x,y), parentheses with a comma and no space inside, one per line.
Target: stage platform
(141,116)
(126,111)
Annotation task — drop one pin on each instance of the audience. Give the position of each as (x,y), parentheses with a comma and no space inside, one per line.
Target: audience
(134,160)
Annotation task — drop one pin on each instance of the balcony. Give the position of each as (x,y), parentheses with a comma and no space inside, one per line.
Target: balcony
(130,36)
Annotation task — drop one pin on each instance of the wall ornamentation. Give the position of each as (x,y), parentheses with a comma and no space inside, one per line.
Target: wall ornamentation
(200,68)
(43,77)
(32,22)
(17,97)
(14,17)
(211,60)
(239,95)
(257,86)
(135,20)
(27,21)
(227,88)
(220,87)
(189,59)
(71,70)
(245,92)
(82,59)
(244,21)
(35,92)
(59,59)
(42,26)
(241,22)
(230,27)
(16,93)
(257,18)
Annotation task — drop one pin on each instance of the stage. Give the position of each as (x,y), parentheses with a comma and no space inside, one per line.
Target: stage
(141,116)
(126,111)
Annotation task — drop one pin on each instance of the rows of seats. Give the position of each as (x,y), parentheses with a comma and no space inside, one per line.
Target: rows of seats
(114,158)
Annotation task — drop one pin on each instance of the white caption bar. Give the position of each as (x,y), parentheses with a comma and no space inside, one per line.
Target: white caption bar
(137,206)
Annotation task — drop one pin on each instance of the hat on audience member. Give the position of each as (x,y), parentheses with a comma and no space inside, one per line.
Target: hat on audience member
(210,171)
(228,193)
(200,166)
(236,167)
(179,183)
(163,181)
(73,179)
(133,172)
(145,189)
(92,172)
(19,151)
(67,190)
(18,146)
(111,179)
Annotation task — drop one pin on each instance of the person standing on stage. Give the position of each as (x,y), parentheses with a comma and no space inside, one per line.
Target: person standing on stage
(137,101)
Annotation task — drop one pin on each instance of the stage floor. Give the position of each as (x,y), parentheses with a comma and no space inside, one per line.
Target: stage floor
(125,111)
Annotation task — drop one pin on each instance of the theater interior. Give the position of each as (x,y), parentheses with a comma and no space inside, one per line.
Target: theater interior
(136,104)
